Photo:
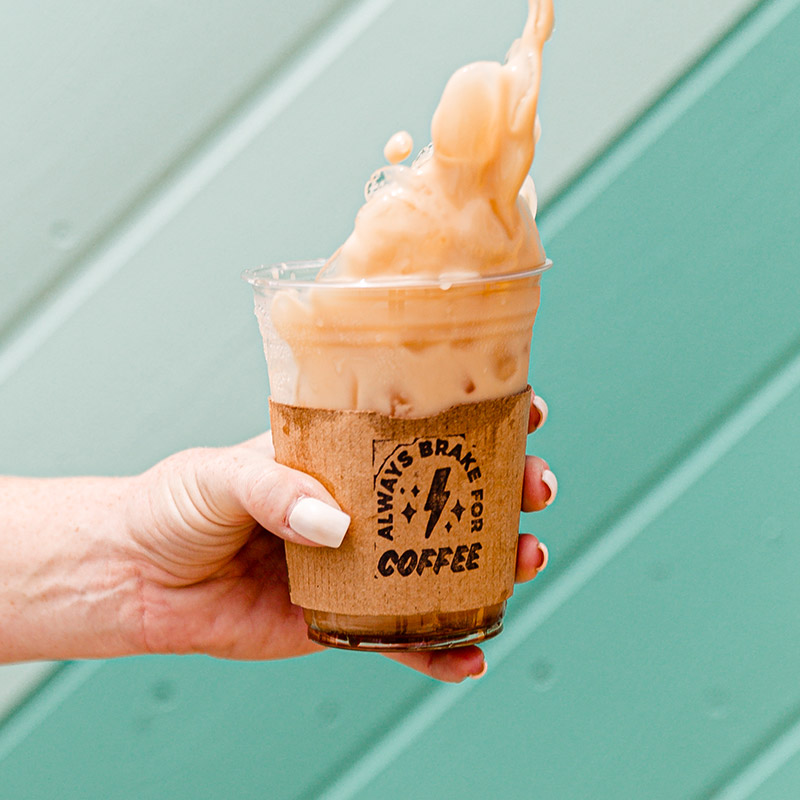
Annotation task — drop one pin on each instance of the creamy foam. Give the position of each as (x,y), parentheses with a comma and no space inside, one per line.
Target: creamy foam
(461,208)
(465,207)
(399,147)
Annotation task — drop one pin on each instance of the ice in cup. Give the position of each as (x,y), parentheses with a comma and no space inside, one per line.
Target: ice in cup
(398,372)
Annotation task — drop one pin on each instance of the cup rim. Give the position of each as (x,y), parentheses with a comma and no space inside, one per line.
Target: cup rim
(274,276)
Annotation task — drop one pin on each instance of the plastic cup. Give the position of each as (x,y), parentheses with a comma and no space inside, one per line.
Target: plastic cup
(450,352)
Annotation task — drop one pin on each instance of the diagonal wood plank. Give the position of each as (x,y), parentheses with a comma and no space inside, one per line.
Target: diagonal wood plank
(136,421)
(770,771)
(609,62)
(658,674)
(776,777)
(101,99)
(608,104)
(17,681)
(198,727)
(772,317)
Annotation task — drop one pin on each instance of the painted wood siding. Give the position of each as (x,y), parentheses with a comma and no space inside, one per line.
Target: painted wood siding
(150,151)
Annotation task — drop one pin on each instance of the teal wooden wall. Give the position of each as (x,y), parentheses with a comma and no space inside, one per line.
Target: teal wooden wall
(149,151)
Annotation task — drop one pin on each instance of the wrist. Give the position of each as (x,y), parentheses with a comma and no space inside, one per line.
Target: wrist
(67,588)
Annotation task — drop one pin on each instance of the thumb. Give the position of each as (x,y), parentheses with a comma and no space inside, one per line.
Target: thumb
(288,503)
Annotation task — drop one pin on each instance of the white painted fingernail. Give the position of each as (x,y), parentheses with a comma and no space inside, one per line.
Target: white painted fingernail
(545,556)
(540,405)
(319,522)
(552,484)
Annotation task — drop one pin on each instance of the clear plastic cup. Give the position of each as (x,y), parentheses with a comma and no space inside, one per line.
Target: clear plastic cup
(405,349)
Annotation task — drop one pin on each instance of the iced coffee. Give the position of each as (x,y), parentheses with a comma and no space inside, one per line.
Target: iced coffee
(398,372)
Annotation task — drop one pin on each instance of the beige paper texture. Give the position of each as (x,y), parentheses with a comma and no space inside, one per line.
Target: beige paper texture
(434,502)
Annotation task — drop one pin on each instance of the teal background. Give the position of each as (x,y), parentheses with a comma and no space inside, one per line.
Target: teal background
(151,150)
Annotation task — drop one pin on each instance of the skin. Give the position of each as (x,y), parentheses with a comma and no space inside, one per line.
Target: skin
(186,558)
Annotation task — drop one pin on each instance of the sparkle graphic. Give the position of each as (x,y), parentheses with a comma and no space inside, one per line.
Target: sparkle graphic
(408,512)
(415,491)
(449,526)
(458,510)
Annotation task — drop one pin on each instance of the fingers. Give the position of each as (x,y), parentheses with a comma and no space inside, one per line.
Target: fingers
(539,489)
(532,556)
(539,486)
(286,502)
(538,413)
(449,666)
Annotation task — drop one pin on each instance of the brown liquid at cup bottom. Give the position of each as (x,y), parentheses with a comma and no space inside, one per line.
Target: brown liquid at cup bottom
(432,631)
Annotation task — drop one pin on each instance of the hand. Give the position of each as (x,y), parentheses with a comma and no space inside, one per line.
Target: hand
(208,529)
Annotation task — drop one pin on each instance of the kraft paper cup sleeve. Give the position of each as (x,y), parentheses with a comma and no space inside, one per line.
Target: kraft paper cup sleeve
(434,501)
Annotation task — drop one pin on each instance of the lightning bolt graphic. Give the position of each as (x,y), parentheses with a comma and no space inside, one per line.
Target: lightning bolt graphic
(437,498)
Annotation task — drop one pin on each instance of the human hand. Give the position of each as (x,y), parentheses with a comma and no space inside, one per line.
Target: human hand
(207,540)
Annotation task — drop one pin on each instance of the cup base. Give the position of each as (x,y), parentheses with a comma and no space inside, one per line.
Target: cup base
(433,631)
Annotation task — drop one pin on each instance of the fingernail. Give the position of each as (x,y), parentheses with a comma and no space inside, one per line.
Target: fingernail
(545,557)
(319,522)
(540,405)
(552,484)
(480,674)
